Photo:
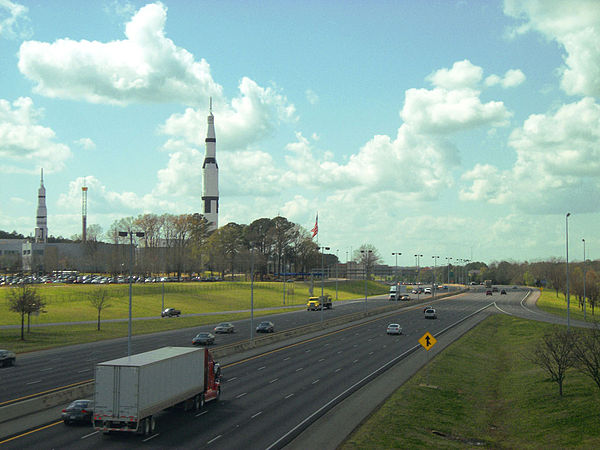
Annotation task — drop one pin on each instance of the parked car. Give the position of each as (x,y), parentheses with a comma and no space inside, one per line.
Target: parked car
(225,327)
(7,358)
(265,327)
(78,411)
(503,292)
(430,314)
(488,292)
(494,289)
(394,328)
(170,312)
(204,338)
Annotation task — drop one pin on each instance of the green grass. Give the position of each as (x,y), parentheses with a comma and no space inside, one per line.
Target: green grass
(482,391)
(70,303)
(552,304)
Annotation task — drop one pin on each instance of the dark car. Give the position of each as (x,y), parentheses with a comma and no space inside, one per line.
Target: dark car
(204,338)
(494,289)
(78,411)
(225,327)
(488,292)
(265,327)
(7,358)
(170,312)
(503,292)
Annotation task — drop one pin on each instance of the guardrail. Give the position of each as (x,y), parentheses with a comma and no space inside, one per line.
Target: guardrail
(23,408)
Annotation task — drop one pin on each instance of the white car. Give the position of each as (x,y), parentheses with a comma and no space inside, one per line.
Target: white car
(430,314)
(394,328)
(427,291)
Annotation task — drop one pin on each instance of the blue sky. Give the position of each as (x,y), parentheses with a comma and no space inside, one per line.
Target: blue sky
(463,129)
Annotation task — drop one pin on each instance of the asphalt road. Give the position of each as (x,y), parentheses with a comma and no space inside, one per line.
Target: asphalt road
(267,396)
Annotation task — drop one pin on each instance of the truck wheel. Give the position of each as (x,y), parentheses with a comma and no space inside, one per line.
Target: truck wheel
(202,402)
(197,402)
(218,393)
(152,425)
(146,426)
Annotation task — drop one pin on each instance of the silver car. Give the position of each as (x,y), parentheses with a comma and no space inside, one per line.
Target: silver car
(430,314)
(394,328)
(7,358)
(225,327)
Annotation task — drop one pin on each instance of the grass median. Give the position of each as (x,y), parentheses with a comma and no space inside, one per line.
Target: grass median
(483,392)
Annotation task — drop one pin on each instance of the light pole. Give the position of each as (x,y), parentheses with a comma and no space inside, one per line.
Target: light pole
(466,276)
(284,277)
(568,296)
(583,279)
(337,263)
(124,234)
(417,261)
(321,300)
(435,258)
(366,253)
(252,293)
(448,261)
(396,254)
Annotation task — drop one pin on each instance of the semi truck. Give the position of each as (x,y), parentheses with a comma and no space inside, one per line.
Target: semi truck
(130,391)
(318,303)
(488,284)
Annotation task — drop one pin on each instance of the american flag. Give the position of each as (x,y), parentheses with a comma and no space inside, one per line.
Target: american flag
(315,229)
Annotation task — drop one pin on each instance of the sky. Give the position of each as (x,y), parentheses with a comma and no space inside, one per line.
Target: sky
(454,128)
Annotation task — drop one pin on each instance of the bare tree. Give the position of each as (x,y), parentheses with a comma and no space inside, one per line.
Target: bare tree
(554,354)
(99,300)
(587,353)
(25,299)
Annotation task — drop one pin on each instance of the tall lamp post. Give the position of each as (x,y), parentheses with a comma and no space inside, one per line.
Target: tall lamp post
(337,263)
(367,254)
(583,279)
(568,296)
(252,293)
(466,276)
(448,263)
(435,258)
(396,254)
(124,234)
(417,261)
(322,278)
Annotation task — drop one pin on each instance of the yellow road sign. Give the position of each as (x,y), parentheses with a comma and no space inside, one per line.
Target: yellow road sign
(427,341)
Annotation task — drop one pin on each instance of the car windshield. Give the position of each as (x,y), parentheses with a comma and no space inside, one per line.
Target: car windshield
(202,335)
(265,324)
(224,325)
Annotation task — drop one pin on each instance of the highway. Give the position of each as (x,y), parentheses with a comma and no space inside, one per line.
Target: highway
(266,396)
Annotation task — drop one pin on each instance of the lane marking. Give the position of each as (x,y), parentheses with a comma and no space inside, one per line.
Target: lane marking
(256,415)
(88,435)
(287,396)
(214,439)
(261,368)
(150,437)
(299,369)
(273,381)
(231,379)
(241,395)
(47,369)
(501,310)
(338,369)
(315,382)
(355,361)
(30,432)
(83,371)
(321,360)
(202,413)
(34,382)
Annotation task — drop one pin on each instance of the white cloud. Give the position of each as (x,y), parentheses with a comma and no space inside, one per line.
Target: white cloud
(574,24)
(312,97)
(463,74)
(512,78)
(557,167)
(145,67)
(14,22)
(23,140)
(86,143)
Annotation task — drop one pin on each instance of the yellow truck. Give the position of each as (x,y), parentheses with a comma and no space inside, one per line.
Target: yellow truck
(318,303)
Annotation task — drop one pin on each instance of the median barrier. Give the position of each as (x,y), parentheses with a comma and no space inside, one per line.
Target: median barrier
(86,390)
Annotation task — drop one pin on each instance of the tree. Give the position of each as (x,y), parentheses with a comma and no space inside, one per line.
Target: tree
(554,354)
(587,353)
(99,300)
(367,256)
(25,299)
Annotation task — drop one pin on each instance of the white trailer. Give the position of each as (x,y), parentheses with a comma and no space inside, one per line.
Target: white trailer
(129,391)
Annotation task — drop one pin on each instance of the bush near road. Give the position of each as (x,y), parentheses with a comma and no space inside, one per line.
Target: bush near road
(482,392)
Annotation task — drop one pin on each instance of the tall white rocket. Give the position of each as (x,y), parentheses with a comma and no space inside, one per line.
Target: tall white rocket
(41,230)
(210,175)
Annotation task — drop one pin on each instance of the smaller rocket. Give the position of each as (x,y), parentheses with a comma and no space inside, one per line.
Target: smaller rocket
(41,230)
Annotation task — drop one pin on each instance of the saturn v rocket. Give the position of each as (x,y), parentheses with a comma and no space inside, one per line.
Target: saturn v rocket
(41,230)
(210,175)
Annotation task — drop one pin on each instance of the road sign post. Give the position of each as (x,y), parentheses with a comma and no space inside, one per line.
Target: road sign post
(427,341)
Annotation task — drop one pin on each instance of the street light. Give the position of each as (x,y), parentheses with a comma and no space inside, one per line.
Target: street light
(567,251)
(252,293)
(337,263)
(448,258)
(583,279)
(396,254)
(367,253)
(321,300)
(417,260)
(435,258)
(124,234)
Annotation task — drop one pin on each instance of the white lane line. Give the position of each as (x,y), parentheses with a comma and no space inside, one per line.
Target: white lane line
(289,395)
(261,368)
(306,351)
(370,353)
(321,360)
(150,437)
(299,369)
(256,415)
(339,352)
(241,395)
(83,371)
(501,310)
(202,413)
(355,361)
(273,381)
(46,369)
(214,439)
(34,382)
(315,382)
(88,435)
(285,359)
(231,379)
(338,369)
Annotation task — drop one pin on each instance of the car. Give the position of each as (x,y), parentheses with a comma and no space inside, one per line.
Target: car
(488,292)
(394,328)
(503,292)
(170,312)
(494,289)
(515,287)
(204,338)
(224,327)
(265,327)
(427,307)
(7,358)
(427,291)
(404,297)
(78,411)
(430,314)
